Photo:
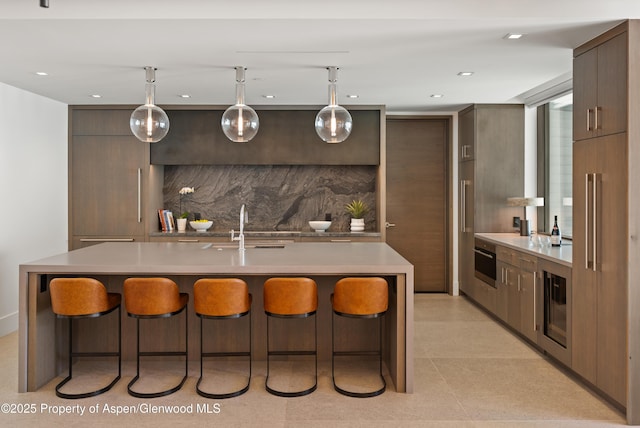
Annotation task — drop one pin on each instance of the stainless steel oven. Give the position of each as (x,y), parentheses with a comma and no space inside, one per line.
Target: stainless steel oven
(485,262)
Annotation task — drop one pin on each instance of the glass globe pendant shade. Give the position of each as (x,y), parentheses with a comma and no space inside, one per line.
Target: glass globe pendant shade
(149,123)
(240,122)
(333,123)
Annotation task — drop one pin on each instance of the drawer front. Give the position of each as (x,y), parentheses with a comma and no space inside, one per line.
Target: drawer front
(528,263)
(507,255)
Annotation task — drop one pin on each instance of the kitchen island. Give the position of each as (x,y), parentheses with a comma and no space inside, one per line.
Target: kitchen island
(41,354)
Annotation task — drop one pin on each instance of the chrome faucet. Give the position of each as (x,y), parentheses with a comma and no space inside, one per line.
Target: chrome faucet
(244,218)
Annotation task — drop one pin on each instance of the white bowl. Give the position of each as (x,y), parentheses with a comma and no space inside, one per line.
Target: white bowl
(201,226)
(319,226)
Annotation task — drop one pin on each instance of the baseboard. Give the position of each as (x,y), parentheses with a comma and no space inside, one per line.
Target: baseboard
(8,324)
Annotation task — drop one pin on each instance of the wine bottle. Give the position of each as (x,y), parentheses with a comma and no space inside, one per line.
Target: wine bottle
(556,237)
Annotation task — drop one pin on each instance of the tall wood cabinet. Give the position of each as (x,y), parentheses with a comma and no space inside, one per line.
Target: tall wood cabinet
(606,206)
(491,169)
(108,178)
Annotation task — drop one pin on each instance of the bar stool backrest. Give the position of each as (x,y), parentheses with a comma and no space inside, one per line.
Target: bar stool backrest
(78,296)
(151,296)
(290,296)
(361,296)
(220,297)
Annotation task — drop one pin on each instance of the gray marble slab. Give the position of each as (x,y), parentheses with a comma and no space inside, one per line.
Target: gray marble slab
(278,198)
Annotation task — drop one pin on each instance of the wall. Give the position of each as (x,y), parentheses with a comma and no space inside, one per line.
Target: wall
(277,197)
(33,188)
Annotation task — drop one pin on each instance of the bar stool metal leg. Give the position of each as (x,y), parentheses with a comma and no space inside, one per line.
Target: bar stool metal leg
(222,354)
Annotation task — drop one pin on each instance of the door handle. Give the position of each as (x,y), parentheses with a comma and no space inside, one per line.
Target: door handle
(388,225)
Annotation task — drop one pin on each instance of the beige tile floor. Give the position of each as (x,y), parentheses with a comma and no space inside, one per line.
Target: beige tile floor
(469,372)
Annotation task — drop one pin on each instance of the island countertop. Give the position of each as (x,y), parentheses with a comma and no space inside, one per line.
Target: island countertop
(324,261)
(323,258)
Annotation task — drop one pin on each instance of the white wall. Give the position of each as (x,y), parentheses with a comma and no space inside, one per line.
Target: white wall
(33,188)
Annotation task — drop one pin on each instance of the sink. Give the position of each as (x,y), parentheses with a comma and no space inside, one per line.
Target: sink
(248,244)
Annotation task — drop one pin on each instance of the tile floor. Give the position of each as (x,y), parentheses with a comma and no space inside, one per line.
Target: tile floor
(469,372)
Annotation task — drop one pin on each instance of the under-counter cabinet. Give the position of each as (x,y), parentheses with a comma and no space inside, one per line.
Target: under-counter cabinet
(516,291)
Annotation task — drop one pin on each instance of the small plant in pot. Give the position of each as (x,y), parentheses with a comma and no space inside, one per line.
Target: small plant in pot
(357,209)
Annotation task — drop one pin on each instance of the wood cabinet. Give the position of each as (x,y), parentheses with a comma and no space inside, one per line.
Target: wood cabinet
(600,259)
(600,89)
(108,179)
(492,171)
(606,213)
(285,137)
(516,290)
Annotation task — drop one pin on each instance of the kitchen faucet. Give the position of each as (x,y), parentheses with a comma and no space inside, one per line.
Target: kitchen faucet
(244,218)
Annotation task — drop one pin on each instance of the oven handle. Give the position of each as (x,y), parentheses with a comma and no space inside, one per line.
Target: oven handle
(477,251)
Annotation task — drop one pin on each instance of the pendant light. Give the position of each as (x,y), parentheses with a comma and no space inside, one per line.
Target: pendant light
(149,123)
(333,123)
(240,122)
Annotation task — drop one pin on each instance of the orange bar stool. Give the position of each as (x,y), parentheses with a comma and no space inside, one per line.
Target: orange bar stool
(76,298)
(220,299)
(291,298)
(149,298)
(359,298)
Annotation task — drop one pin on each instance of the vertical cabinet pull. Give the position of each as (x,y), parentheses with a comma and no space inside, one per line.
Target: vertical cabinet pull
(463,205)
(535,306)
(591,221)
(139,195)
(588,120)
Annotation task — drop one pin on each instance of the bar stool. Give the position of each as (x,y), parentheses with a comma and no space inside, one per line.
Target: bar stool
(149,298)
(218,299)
(291,298)
(76,298)
(359,298)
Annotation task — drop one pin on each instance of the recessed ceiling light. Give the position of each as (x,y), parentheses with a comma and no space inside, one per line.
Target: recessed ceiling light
(185,96)
(96,96)
(465,73)
(353,96)
(437,95)
(41,73)
(269,97)
(513,36)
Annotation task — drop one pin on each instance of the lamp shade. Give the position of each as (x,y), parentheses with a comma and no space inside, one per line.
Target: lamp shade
(240,122)
(333,123)
(525,202)
(149,123)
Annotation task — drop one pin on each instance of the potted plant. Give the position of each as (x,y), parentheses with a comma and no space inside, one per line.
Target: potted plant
(182,220)
(357,209)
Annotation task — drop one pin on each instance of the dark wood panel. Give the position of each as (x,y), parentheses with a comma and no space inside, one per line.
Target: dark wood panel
(92,121)
(417,173)
(285,137)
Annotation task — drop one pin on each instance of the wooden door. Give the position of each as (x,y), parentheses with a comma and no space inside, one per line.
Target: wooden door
(585,81)
(417,203)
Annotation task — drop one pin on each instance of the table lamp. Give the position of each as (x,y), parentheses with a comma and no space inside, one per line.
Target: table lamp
(525,227)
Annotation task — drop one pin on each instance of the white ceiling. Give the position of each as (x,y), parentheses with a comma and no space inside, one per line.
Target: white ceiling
(397,53)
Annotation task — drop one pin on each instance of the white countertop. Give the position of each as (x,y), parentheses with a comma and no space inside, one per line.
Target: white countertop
(528,244)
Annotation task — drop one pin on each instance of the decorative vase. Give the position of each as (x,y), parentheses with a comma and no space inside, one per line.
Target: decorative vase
(357,225)
(182,224)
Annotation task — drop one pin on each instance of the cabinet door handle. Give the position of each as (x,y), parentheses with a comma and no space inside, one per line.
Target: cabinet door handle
(106,239)
(463,205)
(139,195)
(596,176)
(188,240)
(588,120)
(535,309)
(519,282)
(587,213)
(596,120)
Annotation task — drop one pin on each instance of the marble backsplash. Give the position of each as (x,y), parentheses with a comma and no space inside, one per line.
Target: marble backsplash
(281,198)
